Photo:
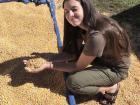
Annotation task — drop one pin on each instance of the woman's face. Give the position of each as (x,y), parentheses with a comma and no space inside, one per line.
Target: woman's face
(74,12)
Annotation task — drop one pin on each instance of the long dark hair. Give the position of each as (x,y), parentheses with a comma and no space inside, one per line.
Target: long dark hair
(116,38)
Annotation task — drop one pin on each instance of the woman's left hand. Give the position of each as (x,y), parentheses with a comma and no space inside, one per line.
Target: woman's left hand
(41,68)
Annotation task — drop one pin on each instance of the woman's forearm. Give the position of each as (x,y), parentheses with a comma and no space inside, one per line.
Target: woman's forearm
(65,67)
(63,57)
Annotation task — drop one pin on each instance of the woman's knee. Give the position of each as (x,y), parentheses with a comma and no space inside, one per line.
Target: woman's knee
(73,83)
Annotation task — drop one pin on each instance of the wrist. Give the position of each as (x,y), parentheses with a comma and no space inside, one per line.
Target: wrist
(51,65)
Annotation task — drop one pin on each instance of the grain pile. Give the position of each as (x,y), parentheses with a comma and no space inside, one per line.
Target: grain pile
(58,3)
(28,29)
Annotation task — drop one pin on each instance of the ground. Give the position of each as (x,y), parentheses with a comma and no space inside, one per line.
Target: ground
(27,29)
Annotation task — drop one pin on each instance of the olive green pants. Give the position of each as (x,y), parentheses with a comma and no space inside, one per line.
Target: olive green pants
(88,81)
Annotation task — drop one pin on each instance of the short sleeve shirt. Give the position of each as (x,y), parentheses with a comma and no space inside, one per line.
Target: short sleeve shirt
(95,44)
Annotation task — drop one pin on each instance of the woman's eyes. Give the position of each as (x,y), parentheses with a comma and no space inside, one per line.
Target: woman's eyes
(73,10)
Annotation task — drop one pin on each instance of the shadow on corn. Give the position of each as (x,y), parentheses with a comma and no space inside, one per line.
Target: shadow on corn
(14,68)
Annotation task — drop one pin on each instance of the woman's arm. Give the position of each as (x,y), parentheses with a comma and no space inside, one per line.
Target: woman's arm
(80,64)
(62,57)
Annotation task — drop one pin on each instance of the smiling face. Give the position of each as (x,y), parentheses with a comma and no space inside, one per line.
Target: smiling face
(73,12)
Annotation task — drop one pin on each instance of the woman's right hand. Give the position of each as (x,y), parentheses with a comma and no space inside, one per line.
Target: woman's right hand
(46,65)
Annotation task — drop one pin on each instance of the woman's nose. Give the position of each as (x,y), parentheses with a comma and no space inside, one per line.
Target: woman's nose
(71,14)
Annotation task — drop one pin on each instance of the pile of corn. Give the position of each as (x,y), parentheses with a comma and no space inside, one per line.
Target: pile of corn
(26,29)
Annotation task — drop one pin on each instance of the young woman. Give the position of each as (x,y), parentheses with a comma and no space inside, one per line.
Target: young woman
(96,40)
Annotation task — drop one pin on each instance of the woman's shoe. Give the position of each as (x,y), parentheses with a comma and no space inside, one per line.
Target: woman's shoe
(109,98)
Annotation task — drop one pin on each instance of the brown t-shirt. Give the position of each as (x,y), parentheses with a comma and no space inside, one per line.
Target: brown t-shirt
(95,46)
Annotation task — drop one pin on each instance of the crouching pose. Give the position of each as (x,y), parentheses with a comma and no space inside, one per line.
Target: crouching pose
(96,40)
